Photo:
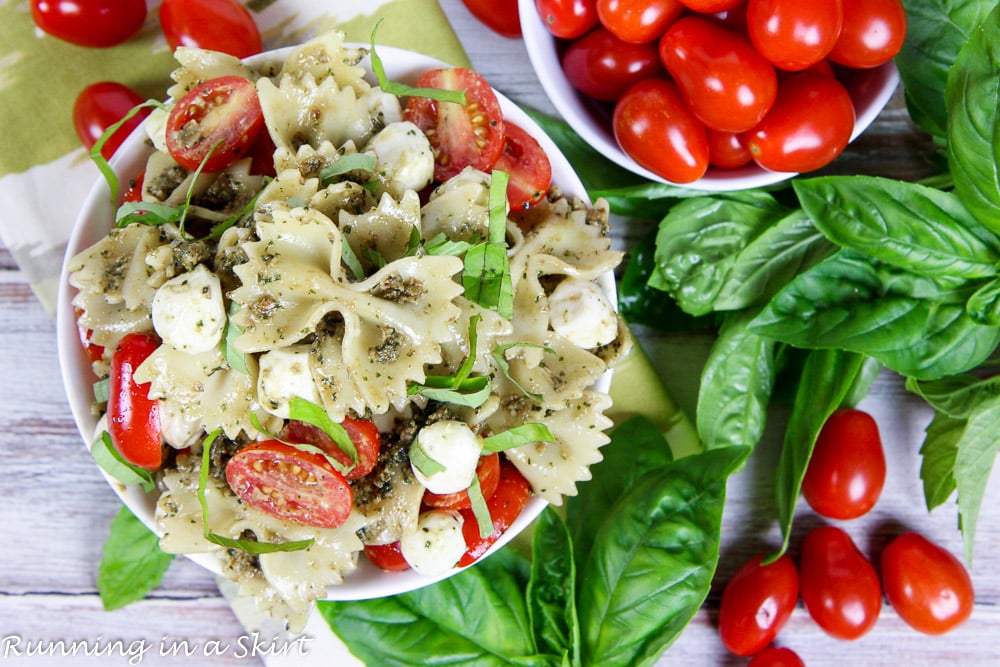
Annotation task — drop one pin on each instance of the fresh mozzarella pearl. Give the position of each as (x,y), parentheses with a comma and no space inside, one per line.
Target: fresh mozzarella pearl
(437,543)
(454,446)
(403,157)
(284,374)
(579,312)
(188,311)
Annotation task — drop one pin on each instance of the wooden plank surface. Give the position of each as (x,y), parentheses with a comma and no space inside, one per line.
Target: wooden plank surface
(55,507)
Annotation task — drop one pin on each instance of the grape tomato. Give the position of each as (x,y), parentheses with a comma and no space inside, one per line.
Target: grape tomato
(872,33)
(500,16)
(217,25)
(568,19)
(792,34)
(99,106)
(757,602)
(602,66)
(92,23)
(638,21)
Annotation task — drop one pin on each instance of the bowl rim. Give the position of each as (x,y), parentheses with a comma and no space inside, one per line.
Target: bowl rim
(93,222)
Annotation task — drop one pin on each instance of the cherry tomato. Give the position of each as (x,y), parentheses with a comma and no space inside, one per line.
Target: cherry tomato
(638,21)
(726,150)
(777,657)
(809,125)
(838,584)
(654,126)
(734,19)
(217,122)
(363,433)
(133,192)
(262,155)
(727,84)
(134,417)
(94,352)
(847,469)
(94,23)
(500,16)
(290,484)
(101,105)
(528,166)
(928,587)
(506,504)
(756,603)
(603,67)
(872,34)
(216,25)
(568,19)
(488,471)
(470,135)
(711,6)
(792,34)
(388,557)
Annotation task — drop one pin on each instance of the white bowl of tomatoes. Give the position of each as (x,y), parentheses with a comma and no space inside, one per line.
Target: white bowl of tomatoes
(716,94)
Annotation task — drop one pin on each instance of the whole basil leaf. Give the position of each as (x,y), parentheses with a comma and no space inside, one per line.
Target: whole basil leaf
(977,452)
(552,589)
(956,395)
(651,568)
(923,230)
(912,324)
(974,122)
(984,305)
(133,563)
(938,454)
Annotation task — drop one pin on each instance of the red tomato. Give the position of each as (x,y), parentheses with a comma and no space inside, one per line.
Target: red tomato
(290,484)
(756,604)
(734,19)
(568,19)
(500,16)
(133,192)
(792,34)
(602,66)
(220,116)
(507,503)
(134,417)
(217,25)
(101,105)
(262,155)
(928,587)
(388,557)
(363,433)
(711,6)
(847,469)
(488,471)
(638,21)
(528,166)
(838,584)
(94,352)
(655,128)
(96,23)
(777,657)
(726,150)
(809,125)
(461,136)
(727,84)
(872,34)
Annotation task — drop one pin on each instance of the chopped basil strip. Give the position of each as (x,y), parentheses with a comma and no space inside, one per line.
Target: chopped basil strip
(236,359)
(351,260)
(403,90)
(102,389)
(95,151)
(500,358)
(249,546)
(519,435)
(373,256)
(459,388)
(413,245)
(218,229)
(345,164)
(312,449)
(110,460)
(479,508)
(302,410)
(442,245)
(146,213)
(486,274)
(422,461)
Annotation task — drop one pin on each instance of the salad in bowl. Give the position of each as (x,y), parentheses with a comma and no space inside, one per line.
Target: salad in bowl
(333,335)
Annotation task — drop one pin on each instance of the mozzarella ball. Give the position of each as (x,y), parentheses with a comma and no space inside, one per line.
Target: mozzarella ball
(437,543)
(579,312)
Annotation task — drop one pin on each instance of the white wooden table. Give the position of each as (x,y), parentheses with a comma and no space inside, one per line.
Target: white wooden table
(55,508)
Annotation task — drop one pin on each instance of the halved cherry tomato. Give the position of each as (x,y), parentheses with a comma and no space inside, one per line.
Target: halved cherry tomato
(133,192)
(838,584)
(94,352)
(872,34)
(488,471)
(928,587)
(500,16)
(469,135)
(603,67)
(777,657)
(216,25)
(638,21)
(134,417)
(727,84)
(388,557)
(809,125)
(654,126)
(290,484)
(757,602)
(363,433)
(847,469)
(101,105)
(726,149)
(94,23)
(217,122)
(528,166)
(507,503)
(568,19)
(791,34)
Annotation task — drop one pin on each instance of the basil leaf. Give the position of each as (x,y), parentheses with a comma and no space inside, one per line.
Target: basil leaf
(132,564)
(237,360)
(146,213)
(218,229)
(442,245)
(551,590)
(345,164)
(486,273)
(939,452)
(974,122)
(651,568)
(956,395)
(102,390)
(302,410)
(974,460)
(401,89)
(480,510)
(518,436)
(471,392)
(423,461)
(95,150)
(500,359)
(109,459)
(351,260)
(479,616)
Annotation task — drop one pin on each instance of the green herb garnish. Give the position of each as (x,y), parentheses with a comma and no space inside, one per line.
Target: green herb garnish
(498,354)
(403,90)
(480,510)
(459,388)
(110,460)
(516,437)
(423,461)
(95,150)
(345,164)
(486,274)
(237,360)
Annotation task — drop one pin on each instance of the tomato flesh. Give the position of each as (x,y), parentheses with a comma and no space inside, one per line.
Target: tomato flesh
(388,557)
(101,105)
(290,484)
(488,472)
(134,417)
(216,25)
(527,165)
(216,122)
(92,23)
(757,602)
(506,504)
(602,66)
(363,433)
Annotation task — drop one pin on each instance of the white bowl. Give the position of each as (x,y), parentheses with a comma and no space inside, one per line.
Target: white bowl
(870,91)
(93,224)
